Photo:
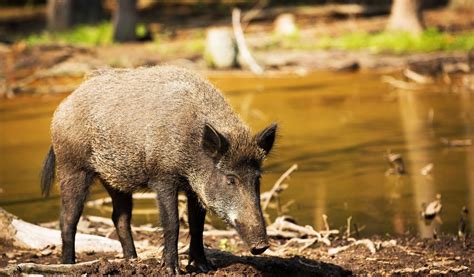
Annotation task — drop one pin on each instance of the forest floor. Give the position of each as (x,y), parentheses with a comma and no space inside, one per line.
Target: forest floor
(408,255)
(46,59)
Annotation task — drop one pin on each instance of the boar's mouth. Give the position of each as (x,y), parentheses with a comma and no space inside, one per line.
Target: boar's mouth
(255,237)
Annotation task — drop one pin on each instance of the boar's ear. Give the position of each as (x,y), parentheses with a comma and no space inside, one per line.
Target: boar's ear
(266,138)
(213,142)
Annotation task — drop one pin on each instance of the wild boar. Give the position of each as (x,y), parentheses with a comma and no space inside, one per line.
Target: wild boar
(163,129)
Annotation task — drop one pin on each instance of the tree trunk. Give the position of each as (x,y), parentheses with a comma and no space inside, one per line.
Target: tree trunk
(125,20)
(87,11)
(461,4)
(406,16)
(59,14)
(62,14)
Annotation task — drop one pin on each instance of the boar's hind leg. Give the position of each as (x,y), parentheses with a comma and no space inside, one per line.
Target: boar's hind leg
(196,217)
(121,216)
(74,188)
(167,195)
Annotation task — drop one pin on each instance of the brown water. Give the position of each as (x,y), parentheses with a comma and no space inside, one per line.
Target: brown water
(336,127)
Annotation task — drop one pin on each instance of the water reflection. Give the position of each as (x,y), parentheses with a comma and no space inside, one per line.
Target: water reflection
(467,99)
(336,127)
(416,130)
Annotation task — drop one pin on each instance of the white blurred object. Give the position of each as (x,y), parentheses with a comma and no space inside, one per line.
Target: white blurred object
(426,170)
(285,24)
(220,47)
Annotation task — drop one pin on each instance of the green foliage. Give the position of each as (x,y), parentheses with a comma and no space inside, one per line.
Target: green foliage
(90,35)
(93,35)
(394,42)
(166,45)
(141,30)
(225,245)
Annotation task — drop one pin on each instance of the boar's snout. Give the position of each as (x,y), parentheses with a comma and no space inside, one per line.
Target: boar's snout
(259,248)
(254,235)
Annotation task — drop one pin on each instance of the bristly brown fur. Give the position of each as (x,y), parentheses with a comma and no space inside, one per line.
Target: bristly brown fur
(144,128)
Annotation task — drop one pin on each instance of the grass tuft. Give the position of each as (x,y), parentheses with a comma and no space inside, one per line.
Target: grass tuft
(90,35)
(393,42)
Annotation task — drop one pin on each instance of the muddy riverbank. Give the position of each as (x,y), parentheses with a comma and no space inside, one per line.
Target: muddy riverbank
(60,69)
(444,255)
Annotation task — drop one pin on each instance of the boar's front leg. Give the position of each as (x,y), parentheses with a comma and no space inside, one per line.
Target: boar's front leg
(196,217)
(167,195)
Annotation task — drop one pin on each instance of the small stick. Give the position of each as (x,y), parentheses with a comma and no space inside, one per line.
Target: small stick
(368,243)
(417,77)
(277,184)
(399,84)
(348,230)
(325,220)
(108,200)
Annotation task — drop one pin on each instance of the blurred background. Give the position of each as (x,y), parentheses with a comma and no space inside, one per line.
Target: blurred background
(375,99)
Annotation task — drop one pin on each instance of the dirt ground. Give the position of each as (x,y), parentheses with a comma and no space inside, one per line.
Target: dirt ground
(446,255)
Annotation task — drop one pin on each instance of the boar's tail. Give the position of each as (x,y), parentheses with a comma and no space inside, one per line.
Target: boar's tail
(48,172)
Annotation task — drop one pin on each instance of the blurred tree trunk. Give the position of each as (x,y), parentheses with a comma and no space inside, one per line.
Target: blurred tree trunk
(125,20)
(62,14)
(461,4)
(406,15)
(59,14)
(87,11)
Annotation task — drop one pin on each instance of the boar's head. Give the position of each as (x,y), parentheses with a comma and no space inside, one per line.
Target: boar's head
(232,189)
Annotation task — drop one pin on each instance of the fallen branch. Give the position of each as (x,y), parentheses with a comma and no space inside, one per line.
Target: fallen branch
(27,235)
(242,46)
(107,200)
(306,243)
(31,268)
(253,12)
(367,242)
(282,224)
(417,77)
(399,83)
(456,142)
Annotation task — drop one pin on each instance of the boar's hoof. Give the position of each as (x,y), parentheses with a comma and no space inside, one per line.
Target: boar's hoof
(200,267)
(259,248)
(171,271)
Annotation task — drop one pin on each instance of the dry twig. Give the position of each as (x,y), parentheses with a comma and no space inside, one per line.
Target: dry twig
(367,242)
(242,46)
(277,185)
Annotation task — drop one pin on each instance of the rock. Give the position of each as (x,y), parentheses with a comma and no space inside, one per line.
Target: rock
(433,208)
(285,25)
(426,170)
(397,165)
(46,252)
(468,81)
(220,51)
(344,65)
(10,255)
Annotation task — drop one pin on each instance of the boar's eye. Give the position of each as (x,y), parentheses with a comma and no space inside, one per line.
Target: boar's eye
(231,180)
